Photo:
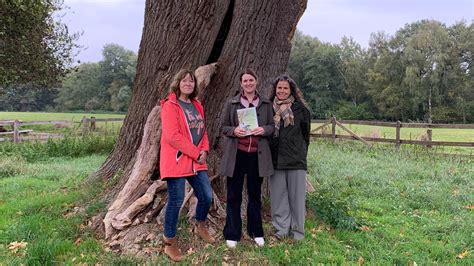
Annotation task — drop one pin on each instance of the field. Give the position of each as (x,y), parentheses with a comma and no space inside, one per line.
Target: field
(371,205)
(40,116)
(74,128)
(439,134)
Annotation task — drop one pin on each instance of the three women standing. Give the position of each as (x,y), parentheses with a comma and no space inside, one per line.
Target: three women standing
(246,155)
(289,151)
(184,148)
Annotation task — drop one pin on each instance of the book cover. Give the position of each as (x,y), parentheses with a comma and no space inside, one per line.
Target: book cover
(247,119)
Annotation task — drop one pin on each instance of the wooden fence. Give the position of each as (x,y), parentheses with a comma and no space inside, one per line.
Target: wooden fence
(19,134)
(427,141)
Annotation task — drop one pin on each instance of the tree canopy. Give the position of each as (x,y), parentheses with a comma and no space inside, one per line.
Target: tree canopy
(36,47)
(423,73)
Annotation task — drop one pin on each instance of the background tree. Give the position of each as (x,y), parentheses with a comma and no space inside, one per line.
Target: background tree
(236,35)
(104,86)
(314,66)
(35,46)
(82,89)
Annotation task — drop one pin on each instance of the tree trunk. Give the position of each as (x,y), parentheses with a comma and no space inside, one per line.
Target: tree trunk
(234,33)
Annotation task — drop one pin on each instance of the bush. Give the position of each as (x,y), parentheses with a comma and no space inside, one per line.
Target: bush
(332,209)
(11,165)
(350,111)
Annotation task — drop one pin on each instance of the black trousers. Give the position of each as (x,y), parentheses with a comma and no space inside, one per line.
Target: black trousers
(246,163)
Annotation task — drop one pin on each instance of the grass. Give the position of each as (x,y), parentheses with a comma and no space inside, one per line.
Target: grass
(72,130)
(438,134)
(44,116)
(371,205)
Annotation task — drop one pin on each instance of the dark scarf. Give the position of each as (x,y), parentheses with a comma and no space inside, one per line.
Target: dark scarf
(283,110)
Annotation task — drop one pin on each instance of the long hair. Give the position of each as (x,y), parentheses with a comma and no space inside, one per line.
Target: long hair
(294,90)
(174,87)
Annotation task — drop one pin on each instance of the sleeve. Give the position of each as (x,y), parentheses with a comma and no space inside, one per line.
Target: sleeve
(270,126)
(306,126)
(227,128)
(172,134)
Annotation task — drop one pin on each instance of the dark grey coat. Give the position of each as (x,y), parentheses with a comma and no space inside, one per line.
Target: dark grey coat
(230,122)
(290,148)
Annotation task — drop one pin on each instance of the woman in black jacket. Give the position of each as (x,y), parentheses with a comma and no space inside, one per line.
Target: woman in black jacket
(289,150)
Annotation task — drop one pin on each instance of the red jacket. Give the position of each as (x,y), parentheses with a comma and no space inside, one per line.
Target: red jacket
(178,154)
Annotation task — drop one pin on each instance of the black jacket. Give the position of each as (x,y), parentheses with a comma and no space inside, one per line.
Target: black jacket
(290,148)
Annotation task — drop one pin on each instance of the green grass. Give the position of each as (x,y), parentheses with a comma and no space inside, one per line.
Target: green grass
(33,208)
(372,204)
(43,116)
(74,129)
(438,134)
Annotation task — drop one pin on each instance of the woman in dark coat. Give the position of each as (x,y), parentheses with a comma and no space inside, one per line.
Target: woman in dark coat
(289,150)
(246,153)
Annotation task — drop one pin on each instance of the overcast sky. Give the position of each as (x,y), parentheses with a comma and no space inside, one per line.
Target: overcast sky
(121,21)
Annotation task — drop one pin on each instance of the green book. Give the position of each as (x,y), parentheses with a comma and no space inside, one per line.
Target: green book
(247,119)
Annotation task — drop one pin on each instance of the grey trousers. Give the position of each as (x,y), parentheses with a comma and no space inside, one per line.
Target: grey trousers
(287,196)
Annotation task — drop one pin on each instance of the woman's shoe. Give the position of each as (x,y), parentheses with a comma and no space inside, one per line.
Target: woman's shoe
(231,243)
(260,241)
(171,249)
(203,232)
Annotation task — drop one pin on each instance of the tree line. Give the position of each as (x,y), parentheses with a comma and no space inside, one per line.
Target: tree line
(102,86)
(421,73)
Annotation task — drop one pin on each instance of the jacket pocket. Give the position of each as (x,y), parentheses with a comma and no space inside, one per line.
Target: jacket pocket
(178,155)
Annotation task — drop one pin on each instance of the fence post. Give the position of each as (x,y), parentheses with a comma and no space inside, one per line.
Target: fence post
(333,121)
(397,135)
(16,133)
(92,124)
(429,134)
(85,124)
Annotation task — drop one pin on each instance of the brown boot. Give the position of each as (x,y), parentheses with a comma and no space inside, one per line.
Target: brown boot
(203,232)
(171,249)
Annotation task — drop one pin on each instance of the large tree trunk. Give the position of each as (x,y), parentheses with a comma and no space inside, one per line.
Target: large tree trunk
(234,33)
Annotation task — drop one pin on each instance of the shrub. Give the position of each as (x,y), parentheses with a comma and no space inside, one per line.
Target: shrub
(350,111)
(11,165)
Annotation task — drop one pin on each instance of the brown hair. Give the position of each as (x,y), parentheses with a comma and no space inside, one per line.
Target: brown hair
(174,87)
(248,71)
(295,91)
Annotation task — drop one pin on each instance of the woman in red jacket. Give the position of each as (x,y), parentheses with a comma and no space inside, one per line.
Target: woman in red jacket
(184,148)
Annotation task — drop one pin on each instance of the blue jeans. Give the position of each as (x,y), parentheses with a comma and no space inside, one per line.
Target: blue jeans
(202,190)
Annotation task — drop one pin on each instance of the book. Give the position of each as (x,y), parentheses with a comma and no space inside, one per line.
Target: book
(247,119)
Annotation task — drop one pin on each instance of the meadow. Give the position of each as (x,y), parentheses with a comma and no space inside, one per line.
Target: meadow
(44,116)
(371,205)
(438,134)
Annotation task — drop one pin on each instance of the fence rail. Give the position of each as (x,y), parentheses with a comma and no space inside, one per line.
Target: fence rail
(88,124)
(428,142)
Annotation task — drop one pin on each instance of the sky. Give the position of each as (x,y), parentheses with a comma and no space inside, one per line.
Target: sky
(121,21)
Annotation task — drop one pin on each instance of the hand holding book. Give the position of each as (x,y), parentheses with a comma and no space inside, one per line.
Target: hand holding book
(248,121)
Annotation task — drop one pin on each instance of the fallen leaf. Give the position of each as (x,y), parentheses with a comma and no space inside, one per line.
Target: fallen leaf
(462,255)
(365,228)
(77,242)
(287,253)
(190,251)
(15,246)
(470,207)
(360,261)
